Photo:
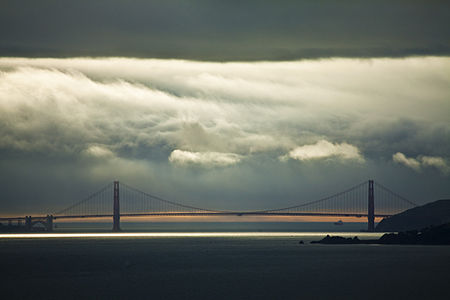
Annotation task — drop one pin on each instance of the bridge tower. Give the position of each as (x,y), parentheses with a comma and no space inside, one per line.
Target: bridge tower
(371,209)
(116,209)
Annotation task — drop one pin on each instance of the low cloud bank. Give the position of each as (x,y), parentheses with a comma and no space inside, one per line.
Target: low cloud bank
(154,109)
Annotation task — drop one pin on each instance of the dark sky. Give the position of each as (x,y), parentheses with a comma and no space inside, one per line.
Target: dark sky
(321,95)
(224,30)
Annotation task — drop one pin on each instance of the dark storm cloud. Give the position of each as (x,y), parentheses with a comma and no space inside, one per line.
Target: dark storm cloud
(224,30)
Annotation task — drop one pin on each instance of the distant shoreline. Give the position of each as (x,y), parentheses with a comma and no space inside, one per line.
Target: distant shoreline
(436,235)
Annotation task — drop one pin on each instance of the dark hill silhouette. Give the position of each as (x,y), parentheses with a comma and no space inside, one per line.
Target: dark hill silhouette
(431,214)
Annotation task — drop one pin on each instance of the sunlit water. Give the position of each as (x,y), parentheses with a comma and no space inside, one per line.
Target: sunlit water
(307,231)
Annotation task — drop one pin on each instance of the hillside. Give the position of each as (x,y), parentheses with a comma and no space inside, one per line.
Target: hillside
(434,213)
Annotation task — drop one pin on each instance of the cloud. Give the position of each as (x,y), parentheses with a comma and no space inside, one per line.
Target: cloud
(145,109)
(90,119)
(437,162)
(422,161)
(206,159)
(409,162)
(323,150)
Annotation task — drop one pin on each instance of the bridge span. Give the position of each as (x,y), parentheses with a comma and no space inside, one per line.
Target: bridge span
(120,200)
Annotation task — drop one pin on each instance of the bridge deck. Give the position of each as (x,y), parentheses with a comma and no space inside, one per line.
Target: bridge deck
(180,214)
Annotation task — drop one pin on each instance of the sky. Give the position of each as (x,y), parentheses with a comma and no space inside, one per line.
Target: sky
(225,105)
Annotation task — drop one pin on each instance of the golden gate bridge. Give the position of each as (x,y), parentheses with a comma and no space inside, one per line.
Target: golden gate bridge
(115,200)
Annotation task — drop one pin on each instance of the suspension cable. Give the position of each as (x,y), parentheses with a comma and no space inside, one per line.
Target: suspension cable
(395,194)
(171,202)
(316,201)
(90,197)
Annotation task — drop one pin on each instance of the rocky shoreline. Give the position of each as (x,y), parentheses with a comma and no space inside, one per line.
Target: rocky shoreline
(436,235)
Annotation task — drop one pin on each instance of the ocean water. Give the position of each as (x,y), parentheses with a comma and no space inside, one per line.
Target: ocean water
(238,264)
(212,227)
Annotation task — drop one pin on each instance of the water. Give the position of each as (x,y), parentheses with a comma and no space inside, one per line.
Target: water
(213,227)
(218,264)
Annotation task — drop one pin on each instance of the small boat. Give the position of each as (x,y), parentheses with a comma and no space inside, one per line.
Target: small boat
(339,222)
